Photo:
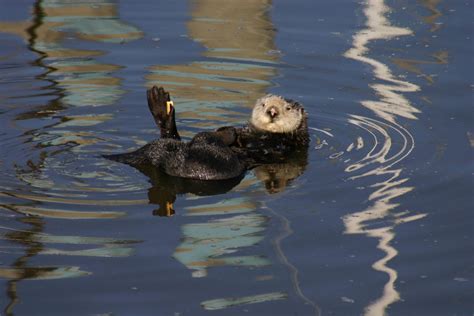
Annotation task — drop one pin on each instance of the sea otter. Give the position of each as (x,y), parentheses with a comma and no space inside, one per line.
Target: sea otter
(277,130)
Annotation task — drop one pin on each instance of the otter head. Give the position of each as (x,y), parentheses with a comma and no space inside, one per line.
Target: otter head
(276,115)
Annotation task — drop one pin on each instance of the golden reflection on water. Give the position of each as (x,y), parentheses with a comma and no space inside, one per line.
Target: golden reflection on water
(43,198)
(233,29)
(413,65)
(20,270)
(235,72)
(60,214)
(238,37)
(84,80)
(229,77)
(431,5)
(74,77)
(33,241)
(239,62)
(379,220)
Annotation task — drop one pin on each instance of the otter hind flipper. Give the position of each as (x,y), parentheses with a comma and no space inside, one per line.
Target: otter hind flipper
(132,158)
(135,158)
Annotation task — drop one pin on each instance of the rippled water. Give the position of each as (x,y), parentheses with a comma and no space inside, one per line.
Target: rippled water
(377,221)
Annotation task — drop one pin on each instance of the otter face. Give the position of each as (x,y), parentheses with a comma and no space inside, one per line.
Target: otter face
(275,114)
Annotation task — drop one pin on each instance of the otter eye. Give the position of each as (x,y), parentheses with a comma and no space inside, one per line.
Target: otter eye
(288,108)
(263,105)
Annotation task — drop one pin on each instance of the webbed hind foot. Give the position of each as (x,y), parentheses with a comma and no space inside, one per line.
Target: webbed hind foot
(162,109)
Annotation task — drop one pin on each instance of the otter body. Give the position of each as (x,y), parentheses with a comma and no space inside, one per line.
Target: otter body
(205,157)
(277,130)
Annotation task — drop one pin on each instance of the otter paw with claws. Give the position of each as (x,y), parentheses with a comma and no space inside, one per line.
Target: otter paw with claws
(162,109)
(160,106)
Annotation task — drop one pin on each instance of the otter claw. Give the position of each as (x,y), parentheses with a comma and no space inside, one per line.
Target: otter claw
(169,106)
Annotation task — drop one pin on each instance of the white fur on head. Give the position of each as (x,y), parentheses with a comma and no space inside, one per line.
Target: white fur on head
(287,120)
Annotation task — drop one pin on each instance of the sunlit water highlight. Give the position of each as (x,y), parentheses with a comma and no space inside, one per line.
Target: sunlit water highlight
(383,158)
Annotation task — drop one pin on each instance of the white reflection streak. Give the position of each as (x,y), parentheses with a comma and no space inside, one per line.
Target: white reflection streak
(378,27)
(391,103)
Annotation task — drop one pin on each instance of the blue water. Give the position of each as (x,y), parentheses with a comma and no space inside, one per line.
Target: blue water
(378,222)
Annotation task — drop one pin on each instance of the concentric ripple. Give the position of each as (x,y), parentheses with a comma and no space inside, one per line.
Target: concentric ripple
(364,145)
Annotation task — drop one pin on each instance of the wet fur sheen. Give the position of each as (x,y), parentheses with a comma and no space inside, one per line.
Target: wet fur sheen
(276,131)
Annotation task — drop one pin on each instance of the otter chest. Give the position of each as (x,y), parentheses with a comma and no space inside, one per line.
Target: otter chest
(265,143)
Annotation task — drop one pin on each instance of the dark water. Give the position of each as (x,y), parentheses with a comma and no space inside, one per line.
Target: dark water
(379,222)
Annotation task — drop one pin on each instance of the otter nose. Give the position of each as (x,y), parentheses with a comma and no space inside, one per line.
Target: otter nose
(272,112)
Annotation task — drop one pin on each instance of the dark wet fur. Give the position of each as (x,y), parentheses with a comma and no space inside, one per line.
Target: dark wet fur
(222,154)
(205,157)
(256,147)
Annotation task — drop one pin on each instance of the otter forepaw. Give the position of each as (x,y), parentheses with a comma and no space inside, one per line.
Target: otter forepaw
(161,107)
(158,99)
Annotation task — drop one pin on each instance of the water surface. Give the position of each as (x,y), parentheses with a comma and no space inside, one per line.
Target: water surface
(376,221)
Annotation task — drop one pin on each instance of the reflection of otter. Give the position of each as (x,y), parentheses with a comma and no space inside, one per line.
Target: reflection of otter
(165,188)
(276,135)
(276,177)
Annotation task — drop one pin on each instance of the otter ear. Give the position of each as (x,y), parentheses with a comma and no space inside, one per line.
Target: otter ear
(297,105)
